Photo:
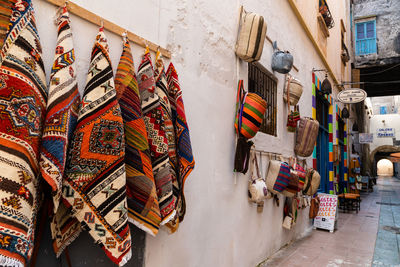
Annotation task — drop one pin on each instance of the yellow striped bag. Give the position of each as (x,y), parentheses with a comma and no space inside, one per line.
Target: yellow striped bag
(250,109)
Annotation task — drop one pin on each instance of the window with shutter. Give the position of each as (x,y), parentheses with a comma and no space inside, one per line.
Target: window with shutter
(366,38)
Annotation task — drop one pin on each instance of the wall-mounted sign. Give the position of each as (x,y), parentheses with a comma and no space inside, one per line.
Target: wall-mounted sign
(385,132)
(352,96)
(366,138)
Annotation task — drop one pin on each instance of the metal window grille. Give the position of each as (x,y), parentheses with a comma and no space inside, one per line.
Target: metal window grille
(263,83)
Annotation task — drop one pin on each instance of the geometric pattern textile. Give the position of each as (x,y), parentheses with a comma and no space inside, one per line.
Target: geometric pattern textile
(62,109)
(185,159)
(95,178)
(23,95)
(143,209)
(153,116)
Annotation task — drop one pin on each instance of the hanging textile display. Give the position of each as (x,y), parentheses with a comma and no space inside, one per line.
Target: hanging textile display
(153,116)
(61,119)
(62,109)
(143,209)
(95,180)
(23,97)
(185,161)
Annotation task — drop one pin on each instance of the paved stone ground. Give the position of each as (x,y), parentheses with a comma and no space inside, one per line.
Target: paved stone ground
(363,239)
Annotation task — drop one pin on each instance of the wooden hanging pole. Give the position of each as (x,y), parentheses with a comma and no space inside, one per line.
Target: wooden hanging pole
(110,26)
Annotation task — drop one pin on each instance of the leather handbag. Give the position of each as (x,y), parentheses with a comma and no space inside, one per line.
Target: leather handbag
(250,41)
(312,182)
(306,136)
(314,208)
(282,61)
(257,189)
(242,154)
(250,109)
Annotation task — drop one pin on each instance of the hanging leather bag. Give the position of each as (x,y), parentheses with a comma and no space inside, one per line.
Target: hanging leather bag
(250,41)
(257,190)
(250,109)
(311,185)
(282,61)
(306,136)
(314,208)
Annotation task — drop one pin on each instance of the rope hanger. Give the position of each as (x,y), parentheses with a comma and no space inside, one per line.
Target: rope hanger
(110,26)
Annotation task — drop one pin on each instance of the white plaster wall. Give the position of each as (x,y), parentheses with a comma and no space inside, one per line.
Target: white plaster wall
(221,228)
(391,120)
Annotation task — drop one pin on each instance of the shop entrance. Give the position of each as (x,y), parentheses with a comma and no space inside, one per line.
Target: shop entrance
(323,142)
(384,168)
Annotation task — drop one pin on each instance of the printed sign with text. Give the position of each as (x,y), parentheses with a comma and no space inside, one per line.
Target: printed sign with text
(327,212)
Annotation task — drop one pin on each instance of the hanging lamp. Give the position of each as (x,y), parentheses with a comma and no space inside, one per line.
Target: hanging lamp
(326,87)
(345,113)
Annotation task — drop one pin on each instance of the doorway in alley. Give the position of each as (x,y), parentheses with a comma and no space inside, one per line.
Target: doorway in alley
(322,149)
(385,167)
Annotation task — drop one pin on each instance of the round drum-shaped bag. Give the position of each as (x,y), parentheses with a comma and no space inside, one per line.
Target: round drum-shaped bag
(273,172)
(295,91)
(257,190)
(313,180)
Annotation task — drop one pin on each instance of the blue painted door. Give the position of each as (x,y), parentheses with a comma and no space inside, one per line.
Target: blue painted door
(323,158)
(341,162)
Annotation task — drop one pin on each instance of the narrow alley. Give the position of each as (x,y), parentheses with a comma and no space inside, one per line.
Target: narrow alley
(367,238)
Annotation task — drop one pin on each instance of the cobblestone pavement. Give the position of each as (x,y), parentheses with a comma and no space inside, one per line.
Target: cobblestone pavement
(369,238)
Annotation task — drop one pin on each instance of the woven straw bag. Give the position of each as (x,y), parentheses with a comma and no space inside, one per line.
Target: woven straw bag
(249,113)
(312,182)
(295,91)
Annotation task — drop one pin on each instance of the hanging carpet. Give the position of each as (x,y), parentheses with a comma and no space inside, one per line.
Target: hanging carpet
(185,160)
(23,95)
(143,209)
(153,116)
(95,180)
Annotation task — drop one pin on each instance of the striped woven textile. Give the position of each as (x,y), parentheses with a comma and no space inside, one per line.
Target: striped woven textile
(293,184)
(282,181)
(253,113)
(302,176)
(62,110)
(143,209)
(23,98)
(185,159)
(153,116)
(95,180)
(6,7)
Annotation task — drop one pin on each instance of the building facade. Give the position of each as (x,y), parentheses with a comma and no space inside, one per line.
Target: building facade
(221,227)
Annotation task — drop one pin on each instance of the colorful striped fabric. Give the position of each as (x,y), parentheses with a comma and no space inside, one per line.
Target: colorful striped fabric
(6,7)
(95,180)
(293,184)
(282,181)
(62,110)
(185,159)
(23,98)
(302,176)
(250,112)
(143,209)
(153,116)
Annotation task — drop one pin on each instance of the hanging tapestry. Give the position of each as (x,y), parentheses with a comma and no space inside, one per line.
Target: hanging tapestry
(143,210)
(185,160)
(62,109)
(153,116)
(95,181)
(23,97)
(61,118)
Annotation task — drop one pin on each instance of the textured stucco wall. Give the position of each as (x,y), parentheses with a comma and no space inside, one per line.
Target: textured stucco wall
(221,228)
(387,14)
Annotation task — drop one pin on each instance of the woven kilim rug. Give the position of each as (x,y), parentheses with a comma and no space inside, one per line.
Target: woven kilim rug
(95,180)
(62,109)
(153,116)
(185,158)
(143,209)
(61,119)
(23,96)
